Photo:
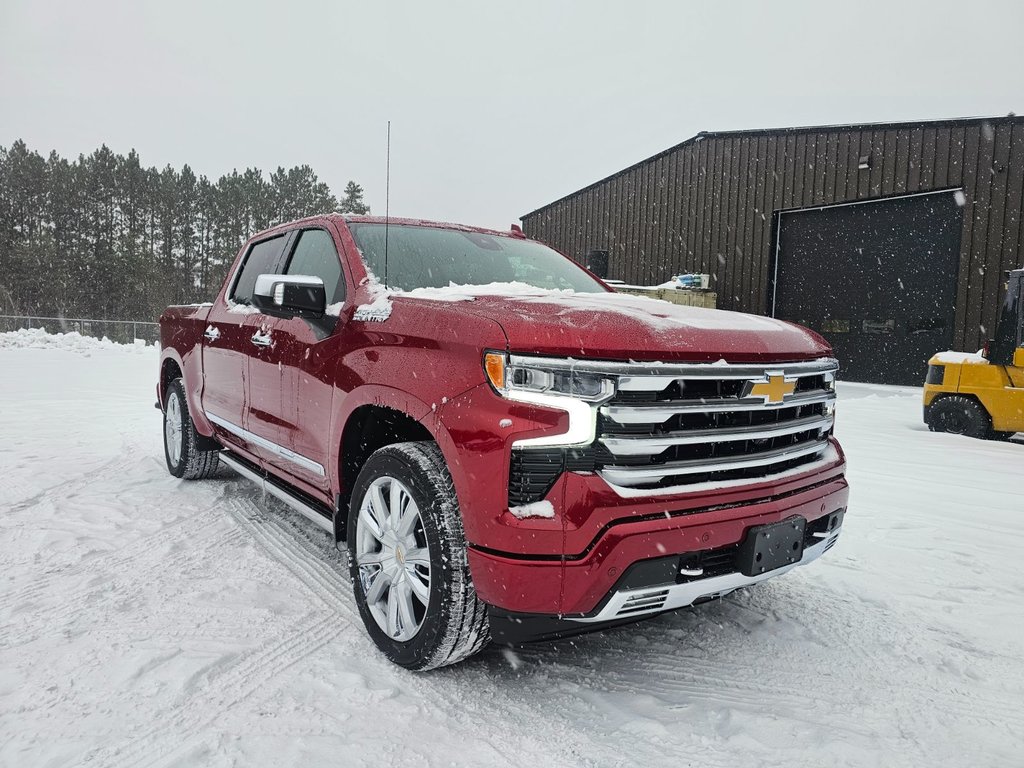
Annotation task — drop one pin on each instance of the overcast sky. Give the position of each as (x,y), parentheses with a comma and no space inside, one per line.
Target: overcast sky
(496,108)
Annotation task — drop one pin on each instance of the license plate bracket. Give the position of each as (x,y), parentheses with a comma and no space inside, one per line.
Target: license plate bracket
(771,546)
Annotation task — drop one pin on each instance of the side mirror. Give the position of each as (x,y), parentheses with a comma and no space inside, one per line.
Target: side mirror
(290,296)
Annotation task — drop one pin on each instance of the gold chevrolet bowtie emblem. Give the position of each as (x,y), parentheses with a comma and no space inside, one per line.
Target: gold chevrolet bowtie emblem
(773,388)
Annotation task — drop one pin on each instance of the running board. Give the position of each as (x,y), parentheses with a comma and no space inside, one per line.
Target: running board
(269,486)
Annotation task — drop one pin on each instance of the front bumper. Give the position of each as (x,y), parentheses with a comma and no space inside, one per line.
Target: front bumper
(637,602)
(580,586)
(625,605)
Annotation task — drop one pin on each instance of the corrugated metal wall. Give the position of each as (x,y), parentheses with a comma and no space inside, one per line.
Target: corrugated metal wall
(709,204)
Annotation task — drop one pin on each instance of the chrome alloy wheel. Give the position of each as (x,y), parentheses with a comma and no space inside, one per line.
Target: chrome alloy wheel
(393,558)
(172,428)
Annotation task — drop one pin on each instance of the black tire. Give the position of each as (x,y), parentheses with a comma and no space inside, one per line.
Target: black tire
(191,461)
(959,415)
(1002,436)
(453,623)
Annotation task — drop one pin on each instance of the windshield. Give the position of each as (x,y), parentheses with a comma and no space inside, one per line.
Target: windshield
(433,257)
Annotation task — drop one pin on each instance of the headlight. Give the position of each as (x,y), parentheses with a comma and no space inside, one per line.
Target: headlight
(552,386)
(550,380)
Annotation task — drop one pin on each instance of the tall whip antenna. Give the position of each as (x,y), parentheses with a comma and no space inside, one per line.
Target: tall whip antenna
(387,204)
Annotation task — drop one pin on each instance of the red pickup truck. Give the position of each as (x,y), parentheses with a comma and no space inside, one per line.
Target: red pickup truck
(509,449)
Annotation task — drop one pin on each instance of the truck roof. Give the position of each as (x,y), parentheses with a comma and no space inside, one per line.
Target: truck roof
(351,218)
(354,219)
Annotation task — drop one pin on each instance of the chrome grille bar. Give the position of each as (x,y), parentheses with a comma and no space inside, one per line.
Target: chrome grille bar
(645,445)
(656,413)
(681,370)
(634,476)
(656,383)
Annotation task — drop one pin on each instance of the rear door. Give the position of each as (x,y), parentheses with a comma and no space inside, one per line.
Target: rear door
(227,342)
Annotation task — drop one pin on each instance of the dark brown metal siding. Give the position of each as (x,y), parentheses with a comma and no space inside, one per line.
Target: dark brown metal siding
(708,205)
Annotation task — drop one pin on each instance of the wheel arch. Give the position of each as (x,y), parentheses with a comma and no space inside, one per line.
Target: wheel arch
(172,366)
(373,417)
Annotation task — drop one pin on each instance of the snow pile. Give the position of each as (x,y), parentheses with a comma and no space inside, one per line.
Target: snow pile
(39,338)
(536,509)
(951,357)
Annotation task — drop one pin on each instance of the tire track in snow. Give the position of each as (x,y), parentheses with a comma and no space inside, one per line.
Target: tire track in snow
(112,586)
(323,569)
(218,689)
(115,465)
(119,559)
(238,679)
(135,551)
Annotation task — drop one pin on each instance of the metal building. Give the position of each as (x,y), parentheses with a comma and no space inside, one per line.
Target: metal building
(891,239)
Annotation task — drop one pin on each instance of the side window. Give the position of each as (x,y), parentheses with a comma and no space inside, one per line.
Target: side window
(261,260)
(315,255)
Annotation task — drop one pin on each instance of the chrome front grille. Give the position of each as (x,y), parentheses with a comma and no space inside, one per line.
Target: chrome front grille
(684,424)
(670,425)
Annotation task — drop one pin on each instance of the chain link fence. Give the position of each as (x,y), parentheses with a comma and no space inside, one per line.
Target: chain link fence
(121,331)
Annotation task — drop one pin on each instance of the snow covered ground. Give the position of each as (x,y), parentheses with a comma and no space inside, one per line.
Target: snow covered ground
(148,621)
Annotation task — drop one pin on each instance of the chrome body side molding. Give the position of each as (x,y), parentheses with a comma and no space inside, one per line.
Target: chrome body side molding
(278,450)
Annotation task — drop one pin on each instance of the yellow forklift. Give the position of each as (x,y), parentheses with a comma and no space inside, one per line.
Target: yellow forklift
(982,395)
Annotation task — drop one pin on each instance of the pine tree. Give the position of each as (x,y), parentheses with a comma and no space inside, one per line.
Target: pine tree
(352,202)
(102,236)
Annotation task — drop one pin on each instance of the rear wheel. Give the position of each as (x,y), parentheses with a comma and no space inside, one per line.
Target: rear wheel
(185,458)
(407,554)
(959,415)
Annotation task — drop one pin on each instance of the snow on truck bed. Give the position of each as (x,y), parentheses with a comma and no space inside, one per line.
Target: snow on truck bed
(149,621)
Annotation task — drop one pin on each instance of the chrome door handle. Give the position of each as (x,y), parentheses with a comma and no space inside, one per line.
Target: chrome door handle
(261,339)
(212,333)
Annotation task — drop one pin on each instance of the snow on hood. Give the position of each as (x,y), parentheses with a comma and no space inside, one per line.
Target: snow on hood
(614,325)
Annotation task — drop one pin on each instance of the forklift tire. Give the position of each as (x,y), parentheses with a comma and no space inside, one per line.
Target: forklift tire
(959,415)
(1003,436)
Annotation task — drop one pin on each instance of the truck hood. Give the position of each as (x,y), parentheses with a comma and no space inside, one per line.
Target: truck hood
(617,326)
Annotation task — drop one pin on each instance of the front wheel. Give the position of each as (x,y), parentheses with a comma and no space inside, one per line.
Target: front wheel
(185,458)
(407,555)
(959,415)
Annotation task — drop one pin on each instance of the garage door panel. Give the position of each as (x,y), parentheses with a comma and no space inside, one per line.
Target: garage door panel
(878,280)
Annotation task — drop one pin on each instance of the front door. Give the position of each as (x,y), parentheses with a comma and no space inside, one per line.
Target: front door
(227,344)
(293,377)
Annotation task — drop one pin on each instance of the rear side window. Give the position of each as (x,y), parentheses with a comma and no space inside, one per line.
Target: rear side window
(261,260)
(316,256)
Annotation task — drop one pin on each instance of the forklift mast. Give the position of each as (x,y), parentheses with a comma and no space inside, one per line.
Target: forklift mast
(1010,325)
